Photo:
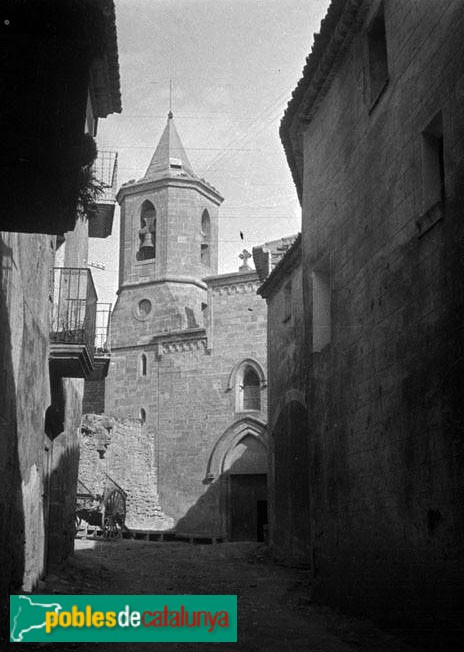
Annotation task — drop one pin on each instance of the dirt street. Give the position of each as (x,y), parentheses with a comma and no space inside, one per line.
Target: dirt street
(274,606)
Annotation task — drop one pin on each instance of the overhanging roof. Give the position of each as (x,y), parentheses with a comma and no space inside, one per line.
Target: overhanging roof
(105,80)
(326,54)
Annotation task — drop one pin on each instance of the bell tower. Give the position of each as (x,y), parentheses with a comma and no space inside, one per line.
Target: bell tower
(168,244)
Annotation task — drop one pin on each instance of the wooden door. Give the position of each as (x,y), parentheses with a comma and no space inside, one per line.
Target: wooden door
(248,506)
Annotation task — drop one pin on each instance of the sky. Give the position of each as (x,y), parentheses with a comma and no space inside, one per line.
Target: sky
(233,66)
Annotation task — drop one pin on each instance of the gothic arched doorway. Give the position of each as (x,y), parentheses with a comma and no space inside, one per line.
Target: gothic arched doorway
(246,468)
(240,461)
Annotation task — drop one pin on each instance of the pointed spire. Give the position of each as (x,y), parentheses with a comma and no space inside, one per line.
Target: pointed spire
(169,156)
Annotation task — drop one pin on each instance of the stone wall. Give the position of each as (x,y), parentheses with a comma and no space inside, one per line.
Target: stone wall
(386,391)
(25,394)
(288,418)
(62,460)
(124,451)
(173,307)
(39,420)
(94,397)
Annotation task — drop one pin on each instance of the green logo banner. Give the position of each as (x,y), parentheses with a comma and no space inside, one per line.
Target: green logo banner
(123,618)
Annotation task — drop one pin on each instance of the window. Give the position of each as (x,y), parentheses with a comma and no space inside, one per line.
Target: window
(175,163)
(433,176)
(321,310)
(378,59)
(205,253)
(433,164)
(251,390)
(143,415)
(287,301)
(144,308)
(147,232)
(246,380)
(143,365)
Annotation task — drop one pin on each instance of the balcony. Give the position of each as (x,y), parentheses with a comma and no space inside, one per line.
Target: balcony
(106,171)
(72,322)
(102,342)
(102,330)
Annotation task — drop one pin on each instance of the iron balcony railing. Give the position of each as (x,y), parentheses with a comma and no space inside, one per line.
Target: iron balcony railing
(106,171)
(102,331)
(73,308)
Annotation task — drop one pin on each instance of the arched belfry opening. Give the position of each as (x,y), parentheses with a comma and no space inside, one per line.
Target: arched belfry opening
(205,248)
(147,232)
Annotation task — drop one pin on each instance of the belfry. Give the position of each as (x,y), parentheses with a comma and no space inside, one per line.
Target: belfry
(169,224)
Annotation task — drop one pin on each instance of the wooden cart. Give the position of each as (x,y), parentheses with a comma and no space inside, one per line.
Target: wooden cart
(101,515)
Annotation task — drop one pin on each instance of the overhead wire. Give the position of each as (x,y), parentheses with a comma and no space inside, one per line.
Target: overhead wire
(263,115)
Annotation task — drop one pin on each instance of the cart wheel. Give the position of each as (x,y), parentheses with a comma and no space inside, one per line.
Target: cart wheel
(115,514)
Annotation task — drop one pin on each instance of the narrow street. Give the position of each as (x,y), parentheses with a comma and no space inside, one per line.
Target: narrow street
(231,275)
(274,605)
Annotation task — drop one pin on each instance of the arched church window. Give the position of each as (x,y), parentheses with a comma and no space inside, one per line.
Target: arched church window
(147,232)
(251,390)
(143,415)
(205,252)
(143,365)
(246,380)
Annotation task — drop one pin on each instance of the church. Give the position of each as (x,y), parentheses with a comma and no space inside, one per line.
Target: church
(186,386)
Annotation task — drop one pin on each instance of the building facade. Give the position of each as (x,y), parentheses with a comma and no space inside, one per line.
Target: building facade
(373,137)
(188,358)
(47,297)
(287,409)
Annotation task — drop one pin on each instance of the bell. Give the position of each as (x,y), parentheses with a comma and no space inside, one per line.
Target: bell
(147,241)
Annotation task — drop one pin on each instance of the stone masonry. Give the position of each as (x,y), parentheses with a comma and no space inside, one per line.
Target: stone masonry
(122,451)
(374,137)
(289,442)
(26,260)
